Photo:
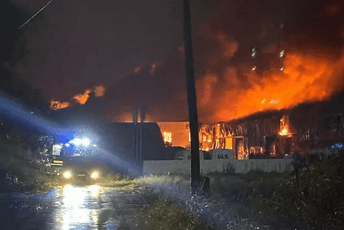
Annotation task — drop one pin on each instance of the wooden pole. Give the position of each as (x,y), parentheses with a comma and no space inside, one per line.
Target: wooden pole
(192,102)
(135,138)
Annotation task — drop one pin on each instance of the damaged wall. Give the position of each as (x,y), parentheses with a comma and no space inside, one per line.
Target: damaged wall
(277,133)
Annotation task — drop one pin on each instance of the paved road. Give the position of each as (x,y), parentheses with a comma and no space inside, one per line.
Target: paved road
(72,207)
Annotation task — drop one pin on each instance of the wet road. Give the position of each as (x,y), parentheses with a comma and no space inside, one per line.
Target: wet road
(72,207)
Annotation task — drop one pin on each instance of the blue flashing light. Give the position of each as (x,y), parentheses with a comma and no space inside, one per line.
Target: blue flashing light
(337,146)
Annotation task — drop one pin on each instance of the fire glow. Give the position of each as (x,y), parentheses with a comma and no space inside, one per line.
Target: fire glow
(305,78)
(284,132)
(81,99)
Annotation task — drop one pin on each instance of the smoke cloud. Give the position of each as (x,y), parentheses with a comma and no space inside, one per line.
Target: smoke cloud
(239,64)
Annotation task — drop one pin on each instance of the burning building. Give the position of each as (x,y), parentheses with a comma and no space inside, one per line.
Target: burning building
(300,130)
(256,134)
(176,134)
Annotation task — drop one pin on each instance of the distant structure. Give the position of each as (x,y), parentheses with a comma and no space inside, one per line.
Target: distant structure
(119,140)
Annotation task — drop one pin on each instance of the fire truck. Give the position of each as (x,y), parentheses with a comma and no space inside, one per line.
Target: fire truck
(77,163)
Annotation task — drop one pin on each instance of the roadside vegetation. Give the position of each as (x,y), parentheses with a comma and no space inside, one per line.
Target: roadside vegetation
(118,181)
(239,201)
(17,137)
(159,213)
(124,182)
(20,167)
(17,167)
(249,201)
(317,200)
(167,215)
(312,200)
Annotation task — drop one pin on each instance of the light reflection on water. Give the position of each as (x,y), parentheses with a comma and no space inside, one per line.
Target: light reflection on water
(75,212)
(95,191)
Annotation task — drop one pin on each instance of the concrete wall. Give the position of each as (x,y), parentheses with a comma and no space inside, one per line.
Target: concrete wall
(182,167)
(215,153)
(186,155)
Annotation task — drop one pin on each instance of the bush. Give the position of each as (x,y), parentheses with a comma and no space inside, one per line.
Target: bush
(165,215)
(17,165)
(318,201)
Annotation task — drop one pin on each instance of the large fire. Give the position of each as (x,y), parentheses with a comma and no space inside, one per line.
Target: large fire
(304,78)
(81,99)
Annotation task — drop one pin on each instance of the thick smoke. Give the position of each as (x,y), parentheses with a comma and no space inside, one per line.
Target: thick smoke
(268,55)
(249,56)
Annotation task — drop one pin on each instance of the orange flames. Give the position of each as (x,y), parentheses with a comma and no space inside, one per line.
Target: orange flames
(81,99)
(284,132)
(98,91)
(55,105)
(305,78)
(285,129)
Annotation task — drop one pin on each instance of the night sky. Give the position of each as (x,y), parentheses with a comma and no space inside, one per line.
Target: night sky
(76,45)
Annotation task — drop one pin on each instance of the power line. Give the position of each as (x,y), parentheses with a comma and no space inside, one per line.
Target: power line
(35,14)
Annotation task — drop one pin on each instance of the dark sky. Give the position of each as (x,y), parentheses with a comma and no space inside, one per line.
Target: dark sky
(78,43)
(75,45)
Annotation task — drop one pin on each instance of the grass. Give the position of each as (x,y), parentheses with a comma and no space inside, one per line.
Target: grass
(116,181)
(159,212)
(317,201)
(168,216)
(246,195)
(174,208)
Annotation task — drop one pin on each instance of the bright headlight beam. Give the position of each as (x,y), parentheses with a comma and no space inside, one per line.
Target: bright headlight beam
(95,175)
(76,141)
(86,142)
(67,175)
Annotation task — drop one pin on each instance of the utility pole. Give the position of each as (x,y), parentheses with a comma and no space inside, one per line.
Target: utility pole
(142,120)
(135,138)
(192,102)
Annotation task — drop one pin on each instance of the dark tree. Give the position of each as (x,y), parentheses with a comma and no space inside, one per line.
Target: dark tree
(16,136)
(12,49)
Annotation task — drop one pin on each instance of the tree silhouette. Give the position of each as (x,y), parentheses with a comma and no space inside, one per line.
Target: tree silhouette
(16,137)
(12,49)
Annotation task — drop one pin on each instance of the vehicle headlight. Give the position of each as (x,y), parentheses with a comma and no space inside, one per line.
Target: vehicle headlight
(94,175)
(67,175)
